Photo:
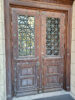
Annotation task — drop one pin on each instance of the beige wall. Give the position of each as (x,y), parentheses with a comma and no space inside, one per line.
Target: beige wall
(2,53)
(73,53)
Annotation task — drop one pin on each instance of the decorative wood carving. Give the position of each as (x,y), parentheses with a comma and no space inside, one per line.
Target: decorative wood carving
(43,69)
(27,78)
(64,2)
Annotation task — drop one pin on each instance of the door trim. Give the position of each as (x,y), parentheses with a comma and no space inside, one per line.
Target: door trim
(58,7)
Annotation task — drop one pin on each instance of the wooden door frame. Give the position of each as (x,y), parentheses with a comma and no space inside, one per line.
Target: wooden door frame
(41,5)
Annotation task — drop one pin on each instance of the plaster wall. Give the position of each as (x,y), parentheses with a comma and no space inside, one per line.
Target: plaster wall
(2,54)
(73,53)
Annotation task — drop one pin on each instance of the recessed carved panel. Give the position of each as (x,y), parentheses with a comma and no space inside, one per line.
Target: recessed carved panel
(52,69)
(26,75)
(52,36)
(53,79)
(27,71)
(27,82)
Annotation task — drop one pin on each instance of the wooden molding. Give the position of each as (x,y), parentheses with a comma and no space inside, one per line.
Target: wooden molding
(56,5)
(64,2)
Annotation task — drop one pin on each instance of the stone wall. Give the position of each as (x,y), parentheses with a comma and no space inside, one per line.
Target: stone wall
(73,53)
(2,53)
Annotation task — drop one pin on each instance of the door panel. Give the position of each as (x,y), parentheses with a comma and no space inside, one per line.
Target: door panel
(38,51)
(53,50)
(26,52)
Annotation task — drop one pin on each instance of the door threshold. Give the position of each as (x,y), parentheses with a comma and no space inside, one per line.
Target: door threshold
(42,95)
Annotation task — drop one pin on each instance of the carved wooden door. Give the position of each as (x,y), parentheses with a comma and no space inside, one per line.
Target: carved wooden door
(53,50)
(37,51)
(26,51)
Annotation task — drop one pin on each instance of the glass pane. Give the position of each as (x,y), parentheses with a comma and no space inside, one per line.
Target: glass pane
(26,35)
(52,36)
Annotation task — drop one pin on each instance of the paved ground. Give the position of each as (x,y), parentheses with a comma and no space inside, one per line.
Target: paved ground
(61,97)
(58,95)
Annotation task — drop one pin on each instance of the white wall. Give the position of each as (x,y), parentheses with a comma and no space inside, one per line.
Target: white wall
(2,53)
(73,53)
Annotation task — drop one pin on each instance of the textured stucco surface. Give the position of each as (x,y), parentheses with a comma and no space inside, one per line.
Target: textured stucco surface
(73,53)
(2,54)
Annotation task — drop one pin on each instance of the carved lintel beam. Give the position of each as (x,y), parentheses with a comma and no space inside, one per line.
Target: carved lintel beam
(64,2)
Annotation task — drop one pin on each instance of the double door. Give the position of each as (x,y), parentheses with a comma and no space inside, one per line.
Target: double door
(38,51)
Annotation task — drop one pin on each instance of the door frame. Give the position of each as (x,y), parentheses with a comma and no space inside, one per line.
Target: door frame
(40,5)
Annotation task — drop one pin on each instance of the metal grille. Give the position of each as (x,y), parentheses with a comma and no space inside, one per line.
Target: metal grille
(26,35)
(52,36)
